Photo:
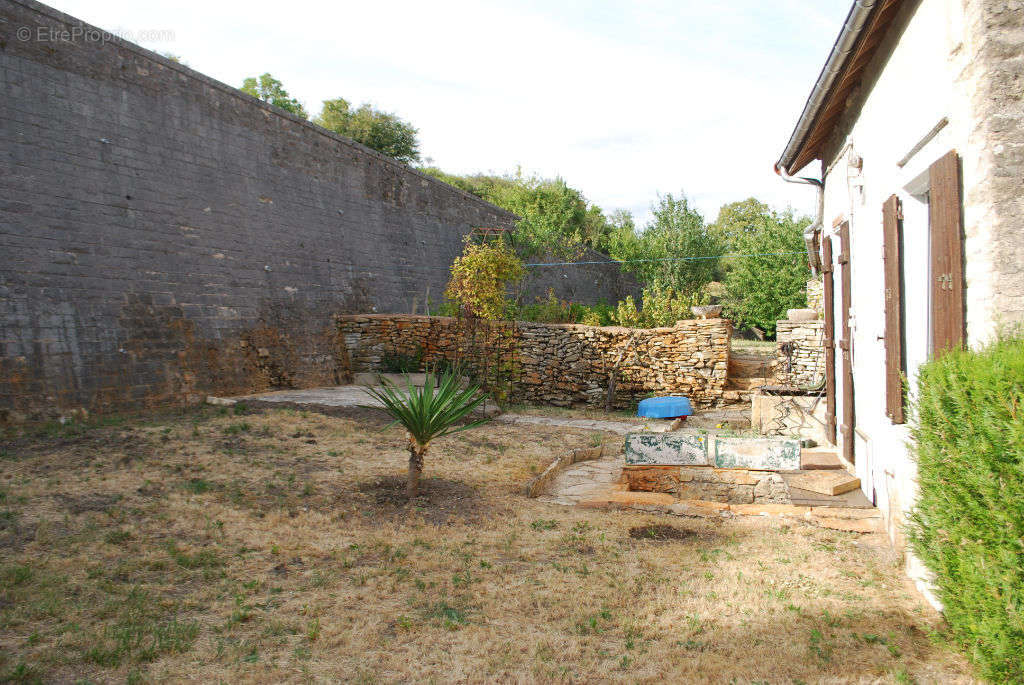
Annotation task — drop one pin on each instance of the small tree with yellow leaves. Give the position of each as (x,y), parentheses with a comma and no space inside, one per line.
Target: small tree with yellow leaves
(480,278)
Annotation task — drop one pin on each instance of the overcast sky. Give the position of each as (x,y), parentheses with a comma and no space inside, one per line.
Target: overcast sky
(622,99)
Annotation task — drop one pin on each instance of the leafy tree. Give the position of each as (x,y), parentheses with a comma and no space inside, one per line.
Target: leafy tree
(270,90)
(621,233)
(380,131)
(736,219)
(480,276)
(555,217)
(428,413)
(676,250)
(762,284)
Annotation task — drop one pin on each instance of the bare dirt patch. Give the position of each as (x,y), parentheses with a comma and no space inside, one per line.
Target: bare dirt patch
(439,502)
(659,532)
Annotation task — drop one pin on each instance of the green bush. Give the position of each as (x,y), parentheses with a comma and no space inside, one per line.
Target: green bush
(968,524)
(551,310)
(659,307)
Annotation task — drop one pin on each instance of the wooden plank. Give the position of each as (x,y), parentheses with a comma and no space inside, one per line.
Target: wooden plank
(892,257)
(824,482)
(944,210)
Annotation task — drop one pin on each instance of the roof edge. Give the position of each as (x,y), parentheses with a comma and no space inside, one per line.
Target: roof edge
(846,42)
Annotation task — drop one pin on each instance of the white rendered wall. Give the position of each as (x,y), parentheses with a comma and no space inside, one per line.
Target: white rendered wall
(919,83)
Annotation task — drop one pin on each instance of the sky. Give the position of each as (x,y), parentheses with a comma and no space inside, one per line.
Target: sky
(624,100)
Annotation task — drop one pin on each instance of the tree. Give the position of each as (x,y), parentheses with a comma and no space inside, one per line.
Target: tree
(554,217)
(428,413)
(772,274)
(675,251)
(270,90)
(480,277)
(377,130)
(736,219)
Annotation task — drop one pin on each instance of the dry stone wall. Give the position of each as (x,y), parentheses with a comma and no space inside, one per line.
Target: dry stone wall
(559,364)
(816,296)
(800,355)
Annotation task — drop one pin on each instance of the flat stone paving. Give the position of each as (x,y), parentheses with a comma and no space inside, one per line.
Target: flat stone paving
(585,481)
(619,427)
(355,396)
(336,396)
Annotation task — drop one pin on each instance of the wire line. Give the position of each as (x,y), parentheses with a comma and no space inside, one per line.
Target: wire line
(666,259)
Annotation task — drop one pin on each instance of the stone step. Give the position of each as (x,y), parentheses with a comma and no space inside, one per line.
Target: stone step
(836,518)
(750,366)
(819,458)
(744,383)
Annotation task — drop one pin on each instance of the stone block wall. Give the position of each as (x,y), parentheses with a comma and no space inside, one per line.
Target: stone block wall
(816,296)
(166,236)
(994,214)
(597,279)
(559,364)
(799,352)
(734,486)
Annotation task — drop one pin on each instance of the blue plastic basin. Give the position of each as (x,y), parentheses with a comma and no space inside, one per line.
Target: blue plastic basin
(664,407)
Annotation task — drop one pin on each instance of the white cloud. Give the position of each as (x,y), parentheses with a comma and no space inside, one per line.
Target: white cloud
(621,99)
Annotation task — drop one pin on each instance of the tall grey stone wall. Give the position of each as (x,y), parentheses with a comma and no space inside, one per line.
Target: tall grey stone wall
(165,235)
(588,279)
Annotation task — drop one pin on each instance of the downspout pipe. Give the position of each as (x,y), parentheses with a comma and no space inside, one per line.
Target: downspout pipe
(819,215)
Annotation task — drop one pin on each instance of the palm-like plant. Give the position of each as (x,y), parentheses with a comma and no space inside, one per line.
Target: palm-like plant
(428,413)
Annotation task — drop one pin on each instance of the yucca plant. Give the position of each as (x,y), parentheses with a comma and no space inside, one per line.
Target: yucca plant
(428,413)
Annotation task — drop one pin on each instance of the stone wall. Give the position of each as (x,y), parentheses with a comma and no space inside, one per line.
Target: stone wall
(799,352)
(734,486)
(816,295)
(596,278)
(560,364)
(995,71)
(166,236)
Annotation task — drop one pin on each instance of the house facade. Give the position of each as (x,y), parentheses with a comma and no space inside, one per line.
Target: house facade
(913,137)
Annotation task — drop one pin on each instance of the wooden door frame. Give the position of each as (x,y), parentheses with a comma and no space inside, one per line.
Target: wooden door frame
(848,425)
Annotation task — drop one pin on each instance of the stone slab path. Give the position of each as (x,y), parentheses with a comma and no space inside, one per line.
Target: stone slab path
(584,481)
(619,427)
(355,396)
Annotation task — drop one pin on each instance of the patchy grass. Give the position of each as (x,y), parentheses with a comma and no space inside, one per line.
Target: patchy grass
(187,547)
(762,347)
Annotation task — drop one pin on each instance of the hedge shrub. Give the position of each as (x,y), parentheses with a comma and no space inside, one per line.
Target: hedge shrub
(968,523)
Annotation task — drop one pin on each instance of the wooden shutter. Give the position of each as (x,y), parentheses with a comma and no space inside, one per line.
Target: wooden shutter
(892,256)
(830,338)
(947,271)
(846,428)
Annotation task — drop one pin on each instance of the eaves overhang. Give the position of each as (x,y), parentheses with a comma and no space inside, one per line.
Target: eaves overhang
(863,31)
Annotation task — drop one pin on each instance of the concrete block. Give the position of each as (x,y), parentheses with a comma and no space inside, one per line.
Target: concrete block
(766,454)
(682,449)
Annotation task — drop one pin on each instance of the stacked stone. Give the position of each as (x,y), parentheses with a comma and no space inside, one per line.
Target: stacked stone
(816,296)
(560,364)
(800,352)
(733,486)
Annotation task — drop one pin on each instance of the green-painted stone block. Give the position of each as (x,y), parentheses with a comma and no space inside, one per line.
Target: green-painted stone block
(683,449)
(768,454)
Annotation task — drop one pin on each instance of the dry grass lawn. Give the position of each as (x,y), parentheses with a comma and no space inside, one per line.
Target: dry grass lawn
(276,546)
